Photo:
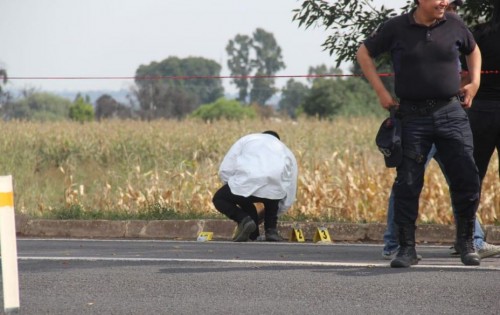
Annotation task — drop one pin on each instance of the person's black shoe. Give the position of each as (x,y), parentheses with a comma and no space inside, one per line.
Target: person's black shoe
(407,256)
(255,234)
(468,255)
(272,235)
(465,241)
(245,228)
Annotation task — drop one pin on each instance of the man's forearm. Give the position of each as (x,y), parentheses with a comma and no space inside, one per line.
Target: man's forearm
(369,70)
(474,64)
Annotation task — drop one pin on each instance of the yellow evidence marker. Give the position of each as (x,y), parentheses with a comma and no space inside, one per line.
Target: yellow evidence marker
(297,235)
(205,236)
(322,235)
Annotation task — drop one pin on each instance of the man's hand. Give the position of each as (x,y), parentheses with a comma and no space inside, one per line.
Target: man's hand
(386,100)
(468,92)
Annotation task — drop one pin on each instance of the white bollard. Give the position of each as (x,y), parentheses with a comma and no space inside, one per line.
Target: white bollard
(8,245)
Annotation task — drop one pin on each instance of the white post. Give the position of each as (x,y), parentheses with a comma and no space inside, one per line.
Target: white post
(8,245)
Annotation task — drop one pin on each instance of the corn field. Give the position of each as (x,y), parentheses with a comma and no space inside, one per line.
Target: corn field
(126,166)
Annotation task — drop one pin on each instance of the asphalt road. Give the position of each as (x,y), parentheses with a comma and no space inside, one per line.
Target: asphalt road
(172,277)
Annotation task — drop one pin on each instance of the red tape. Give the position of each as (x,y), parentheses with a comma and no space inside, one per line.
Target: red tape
(209,77)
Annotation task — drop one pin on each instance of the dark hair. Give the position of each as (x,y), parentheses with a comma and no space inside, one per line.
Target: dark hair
(272,133)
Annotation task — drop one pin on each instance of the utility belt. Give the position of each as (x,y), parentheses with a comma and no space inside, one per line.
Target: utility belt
(423,107)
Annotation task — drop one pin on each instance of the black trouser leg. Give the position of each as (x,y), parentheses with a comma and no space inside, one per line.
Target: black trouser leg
(270,211)
(484,121)
(455,146)
(248,207)
(227,203)
(417,138)
(271,214)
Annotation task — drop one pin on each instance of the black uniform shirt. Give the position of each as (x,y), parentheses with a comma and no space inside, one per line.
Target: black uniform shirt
(425,59)
(490,51)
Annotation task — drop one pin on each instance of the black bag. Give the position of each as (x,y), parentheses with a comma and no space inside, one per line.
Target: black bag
(388,140)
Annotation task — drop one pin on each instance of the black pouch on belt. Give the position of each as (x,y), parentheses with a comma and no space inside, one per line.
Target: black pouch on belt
(388,139)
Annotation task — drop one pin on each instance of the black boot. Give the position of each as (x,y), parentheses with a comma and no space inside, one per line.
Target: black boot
(407,255)
(272,235)
(244,229)
(465,242)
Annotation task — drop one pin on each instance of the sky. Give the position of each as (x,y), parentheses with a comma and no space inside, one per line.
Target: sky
(112,38)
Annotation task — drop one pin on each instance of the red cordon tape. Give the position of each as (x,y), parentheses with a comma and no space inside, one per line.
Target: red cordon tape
(214,77)
(194,77)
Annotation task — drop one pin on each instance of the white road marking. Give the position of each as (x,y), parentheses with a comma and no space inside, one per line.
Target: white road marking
(261,262)
(285,243)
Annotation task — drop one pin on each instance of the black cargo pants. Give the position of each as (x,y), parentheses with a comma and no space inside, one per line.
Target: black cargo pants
(448,128)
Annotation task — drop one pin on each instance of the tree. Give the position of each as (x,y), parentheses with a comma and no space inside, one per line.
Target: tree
(292,96)
(40,106)
(322,100)
(478,11)
(321,70)
(3,78)
(268,61)
(239,63)
(359,99)
(107,107)
(223,109)
(331,96)
(350,21)
(174,87)
(259,56)
(4,96)
(382,68)
(81,110)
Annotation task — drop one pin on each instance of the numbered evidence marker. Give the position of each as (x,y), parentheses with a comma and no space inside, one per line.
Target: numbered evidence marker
(10,277)
(322,235)
(205,236)
(297,235)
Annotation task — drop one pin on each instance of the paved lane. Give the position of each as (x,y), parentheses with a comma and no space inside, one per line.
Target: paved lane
(277,253)
(168,277)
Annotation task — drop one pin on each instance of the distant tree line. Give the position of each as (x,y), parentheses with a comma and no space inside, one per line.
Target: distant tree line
(176,88)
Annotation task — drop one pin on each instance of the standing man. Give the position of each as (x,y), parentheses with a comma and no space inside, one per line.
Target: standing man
(484,115)
(257,168)
(483,248)
(425,45)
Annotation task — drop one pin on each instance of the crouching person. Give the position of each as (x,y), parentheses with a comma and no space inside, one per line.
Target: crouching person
(258,168)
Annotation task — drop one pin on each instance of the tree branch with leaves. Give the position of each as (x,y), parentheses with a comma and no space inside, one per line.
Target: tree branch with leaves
(348,22)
